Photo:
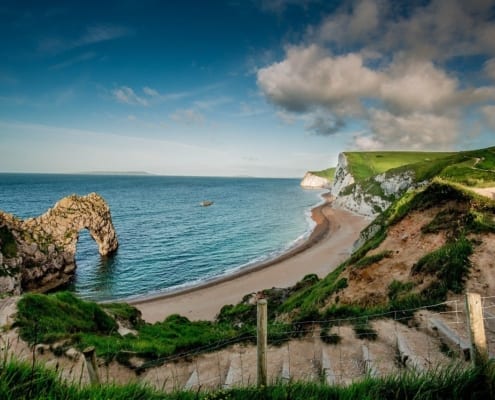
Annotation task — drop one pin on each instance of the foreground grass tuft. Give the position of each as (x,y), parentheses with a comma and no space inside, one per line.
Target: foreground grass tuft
(20,381)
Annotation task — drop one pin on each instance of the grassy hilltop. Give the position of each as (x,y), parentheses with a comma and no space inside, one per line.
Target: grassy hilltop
(471,168)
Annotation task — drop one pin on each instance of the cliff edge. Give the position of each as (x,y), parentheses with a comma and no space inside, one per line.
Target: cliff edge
(38,254)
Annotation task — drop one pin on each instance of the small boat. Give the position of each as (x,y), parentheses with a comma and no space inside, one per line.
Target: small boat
(206,203)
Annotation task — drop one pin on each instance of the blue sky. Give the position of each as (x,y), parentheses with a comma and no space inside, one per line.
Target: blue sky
(247,87)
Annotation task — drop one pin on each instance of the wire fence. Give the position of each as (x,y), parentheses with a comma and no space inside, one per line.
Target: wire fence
(334,351)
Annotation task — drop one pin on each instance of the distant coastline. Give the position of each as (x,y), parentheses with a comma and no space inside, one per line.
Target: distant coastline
(112,173)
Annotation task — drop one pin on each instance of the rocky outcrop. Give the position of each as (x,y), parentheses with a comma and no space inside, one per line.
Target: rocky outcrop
(373,195)
(343,177)
(312,181)
(38,254)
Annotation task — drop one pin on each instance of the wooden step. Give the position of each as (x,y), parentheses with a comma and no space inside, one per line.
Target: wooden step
(407,357)
(449,337)
(370,367)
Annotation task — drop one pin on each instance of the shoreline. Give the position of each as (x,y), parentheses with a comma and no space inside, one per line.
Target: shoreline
(319,231)
(329,244)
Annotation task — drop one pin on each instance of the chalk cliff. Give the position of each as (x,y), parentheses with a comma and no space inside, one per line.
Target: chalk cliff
(312,181)
(38,254)
(373,195)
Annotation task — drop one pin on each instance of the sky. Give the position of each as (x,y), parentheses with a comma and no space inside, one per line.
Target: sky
(268,88)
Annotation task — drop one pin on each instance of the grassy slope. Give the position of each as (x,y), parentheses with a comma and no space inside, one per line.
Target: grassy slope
(328,173)
(21,381)
(364,165)
(469,168)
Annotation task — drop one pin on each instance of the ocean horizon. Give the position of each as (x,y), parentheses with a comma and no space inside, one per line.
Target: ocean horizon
(168,241)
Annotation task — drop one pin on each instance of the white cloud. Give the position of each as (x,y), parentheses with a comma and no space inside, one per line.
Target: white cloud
(414,131)
(489,68)
(126,95)
(92,34)
(324,124)
(367,143)
(437,30)
(488,113)
(310,77)
(150,91)
(212,103)
(74,60)
(412,85)
(352,24)
(188,116)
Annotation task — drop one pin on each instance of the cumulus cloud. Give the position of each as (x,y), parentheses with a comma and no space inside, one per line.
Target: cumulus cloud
(390,67)
(325,124)
(436,30)
(412,85)
(367,143)
(188,116)
(352,24)
(414,131)
(489,68)
(308,77)
(489,115)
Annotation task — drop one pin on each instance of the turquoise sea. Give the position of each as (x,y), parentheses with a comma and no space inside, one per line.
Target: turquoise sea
(167,240)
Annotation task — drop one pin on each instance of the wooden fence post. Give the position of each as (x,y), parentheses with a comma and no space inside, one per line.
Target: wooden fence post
(90,357)
(262,336)
(474,311)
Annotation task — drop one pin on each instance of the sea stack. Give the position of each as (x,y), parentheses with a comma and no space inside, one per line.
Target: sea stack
(38,254)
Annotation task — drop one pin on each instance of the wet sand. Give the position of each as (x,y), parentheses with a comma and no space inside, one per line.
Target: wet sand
(329,244)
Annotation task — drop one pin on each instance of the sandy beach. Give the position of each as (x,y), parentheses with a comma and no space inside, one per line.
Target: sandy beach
(329,244)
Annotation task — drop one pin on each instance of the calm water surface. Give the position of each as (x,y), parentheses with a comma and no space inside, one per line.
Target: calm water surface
(167,240)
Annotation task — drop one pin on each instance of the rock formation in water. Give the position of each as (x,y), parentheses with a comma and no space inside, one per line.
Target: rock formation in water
(312,181)
(38,254)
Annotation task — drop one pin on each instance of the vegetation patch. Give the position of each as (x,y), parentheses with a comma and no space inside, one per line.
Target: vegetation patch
(368,260)
(328,337)
(364,330)
(316,295)
(46,319)
(450,264)
(20,380)
(8,245)
(328,174)
(364,165)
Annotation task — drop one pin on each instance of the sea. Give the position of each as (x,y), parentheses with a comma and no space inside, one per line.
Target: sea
(167,240)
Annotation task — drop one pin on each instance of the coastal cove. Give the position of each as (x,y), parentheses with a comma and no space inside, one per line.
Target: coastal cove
(168,241)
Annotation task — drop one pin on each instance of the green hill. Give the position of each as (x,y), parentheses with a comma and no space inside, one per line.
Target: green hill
(328,174)
(363,165)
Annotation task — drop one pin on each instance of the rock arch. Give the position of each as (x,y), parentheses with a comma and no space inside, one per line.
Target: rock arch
(42,253)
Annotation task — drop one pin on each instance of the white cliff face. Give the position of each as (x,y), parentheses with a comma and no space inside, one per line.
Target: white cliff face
(394,184)
(311,181)
(343,177)
(356,198)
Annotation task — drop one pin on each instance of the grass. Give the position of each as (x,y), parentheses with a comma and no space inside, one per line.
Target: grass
(19,381)
(364,165)
(64,317)
(368,260)
(328,174)
(450,264)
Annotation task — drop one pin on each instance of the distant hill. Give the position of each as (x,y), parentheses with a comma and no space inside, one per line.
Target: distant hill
(126,173)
